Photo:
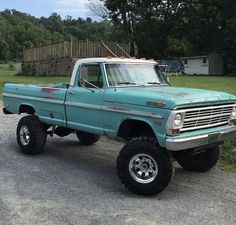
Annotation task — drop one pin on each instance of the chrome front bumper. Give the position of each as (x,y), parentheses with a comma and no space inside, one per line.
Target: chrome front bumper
(178,144)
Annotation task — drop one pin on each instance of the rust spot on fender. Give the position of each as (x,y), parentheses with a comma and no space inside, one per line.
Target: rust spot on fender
(48,90)
(156,104)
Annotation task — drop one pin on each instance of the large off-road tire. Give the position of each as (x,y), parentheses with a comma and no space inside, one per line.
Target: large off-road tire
(31,135)
(199,161)
(87,138)
(143,167)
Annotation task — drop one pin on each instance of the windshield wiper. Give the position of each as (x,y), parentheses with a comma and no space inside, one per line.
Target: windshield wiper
(132,83)
(154,83)
(126,82)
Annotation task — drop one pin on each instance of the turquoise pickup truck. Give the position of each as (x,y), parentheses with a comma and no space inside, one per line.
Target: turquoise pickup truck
(128,99)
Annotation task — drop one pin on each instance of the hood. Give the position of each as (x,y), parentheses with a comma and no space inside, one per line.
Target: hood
(171,96)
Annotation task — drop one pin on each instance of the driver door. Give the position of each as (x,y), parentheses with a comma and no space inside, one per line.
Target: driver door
(84,100)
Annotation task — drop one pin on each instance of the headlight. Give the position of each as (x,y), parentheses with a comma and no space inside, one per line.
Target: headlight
(232,119)
(178,120)
(175,122)
(233,114)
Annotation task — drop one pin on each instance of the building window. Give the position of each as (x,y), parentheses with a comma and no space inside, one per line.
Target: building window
(185,61)
(204,60)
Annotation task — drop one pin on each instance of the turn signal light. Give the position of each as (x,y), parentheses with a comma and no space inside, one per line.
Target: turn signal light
(175,132)
(232,122)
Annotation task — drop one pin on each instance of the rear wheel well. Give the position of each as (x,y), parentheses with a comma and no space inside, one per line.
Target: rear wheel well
(135,128)
(26,109)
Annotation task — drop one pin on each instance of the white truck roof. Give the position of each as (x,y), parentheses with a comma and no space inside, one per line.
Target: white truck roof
(106,60)
(114,60)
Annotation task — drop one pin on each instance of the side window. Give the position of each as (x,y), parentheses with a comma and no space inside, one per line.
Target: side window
(91,73)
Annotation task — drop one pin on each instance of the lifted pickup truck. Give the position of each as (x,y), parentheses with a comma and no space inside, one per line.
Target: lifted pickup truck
(129,99)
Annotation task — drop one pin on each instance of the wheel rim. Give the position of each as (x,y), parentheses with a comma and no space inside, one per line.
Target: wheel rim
(24,135)
(143,168)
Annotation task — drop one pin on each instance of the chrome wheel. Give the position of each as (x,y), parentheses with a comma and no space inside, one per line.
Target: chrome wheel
(143,168)
(24,135)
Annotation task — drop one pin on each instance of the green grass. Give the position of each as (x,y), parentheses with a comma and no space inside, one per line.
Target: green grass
(228,156)
(7,75)
(222,83)
(217,83)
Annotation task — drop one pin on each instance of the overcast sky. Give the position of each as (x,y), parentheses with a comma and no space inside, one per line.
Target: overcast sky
(38,8)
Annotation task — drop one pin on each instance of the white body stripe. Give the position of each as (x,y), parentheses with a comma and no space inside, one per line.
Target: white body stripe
(87,106)
(47,100)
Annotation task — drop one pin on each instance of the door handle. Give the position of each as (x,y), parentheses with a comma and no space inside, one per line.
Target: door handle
(72,92)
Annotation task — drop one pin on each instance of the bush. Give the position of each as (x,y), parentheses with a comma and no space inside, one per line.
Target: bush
(11,66)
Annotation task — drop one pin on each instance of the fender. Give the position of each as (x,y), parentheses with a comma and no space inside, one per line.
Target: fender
(141,123)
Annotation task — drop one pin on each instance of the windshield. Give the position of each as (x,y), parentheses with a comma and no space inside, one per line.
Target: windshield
(134,74)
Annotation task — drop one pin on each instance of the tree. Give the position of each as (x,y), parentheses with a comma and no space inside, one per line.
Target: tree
(19,30)
(170,28)
(126,14)
(158,28)
(4,53)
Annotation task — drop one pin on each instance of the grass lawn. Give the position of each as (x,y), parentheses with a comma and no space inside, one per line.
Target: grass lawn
(219,83)
(226,84)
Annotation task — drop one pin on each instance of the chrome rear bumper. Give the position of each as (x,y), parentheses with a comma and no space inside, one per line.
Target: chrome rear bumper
(178,144)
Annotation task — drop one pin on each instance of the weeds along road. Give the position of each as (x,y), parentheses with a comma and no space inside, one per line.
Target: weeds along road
(72,184)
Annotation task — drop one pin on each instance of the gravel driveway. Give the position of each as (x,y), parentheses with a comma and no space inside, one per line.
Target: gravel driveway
(71,184)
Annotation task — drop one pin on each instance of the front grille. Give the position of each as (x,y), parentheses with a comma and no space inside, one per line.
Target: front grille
(205,117)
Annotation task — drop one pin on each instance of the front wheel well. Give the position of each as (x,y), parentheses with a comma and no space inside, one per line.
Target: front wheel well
(26,109)
(135,128)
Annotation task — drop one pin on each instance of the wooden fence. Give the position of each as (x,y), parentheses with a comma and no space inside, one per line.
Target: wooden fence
(75,49)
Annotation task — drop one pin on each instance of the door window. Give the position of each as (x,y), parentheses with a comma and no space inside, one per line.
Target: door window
(92,74)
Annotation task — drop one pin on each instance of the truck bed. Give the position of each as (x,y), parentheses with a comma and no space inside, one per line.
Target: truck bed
(47,100)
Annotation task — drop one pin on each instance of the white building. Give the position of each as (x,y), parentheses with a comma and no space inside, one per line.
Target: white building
(212,64)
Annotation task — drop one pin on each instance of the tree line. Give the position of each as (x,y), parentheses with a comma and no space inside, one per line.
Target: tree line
(174,28)
(20,30)
(155,28)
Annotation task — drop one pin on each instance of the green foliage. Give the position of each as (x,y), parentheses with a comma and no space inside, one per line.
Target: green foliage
(165,29)
(11,66)
(228,155)
(19,30)
(178,47)
(4,53)
(157,28)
